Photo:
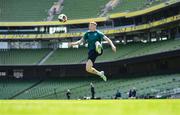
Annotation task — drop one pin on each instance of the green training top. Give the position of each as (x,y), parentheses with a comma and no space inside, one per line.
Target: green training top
(91,37)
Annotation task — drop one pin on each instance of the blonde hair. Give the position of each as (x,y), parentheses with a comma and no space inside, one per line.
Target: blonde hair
(93,22)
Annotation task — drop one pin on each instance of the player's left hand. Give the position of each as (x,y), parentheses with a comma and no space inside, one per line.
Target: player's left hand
(114,49)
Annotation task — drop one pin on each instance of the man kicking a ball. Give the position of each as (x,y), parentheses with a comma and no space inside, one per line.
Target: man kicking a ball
(94,37)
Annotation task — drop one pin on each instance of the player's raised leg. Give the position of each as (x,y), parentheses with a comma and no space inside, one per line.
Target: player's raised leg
(92,70)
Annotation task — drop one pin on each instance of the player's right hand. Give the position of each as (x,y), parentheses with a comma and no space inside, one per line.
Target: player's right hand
(69,44)
(114,48)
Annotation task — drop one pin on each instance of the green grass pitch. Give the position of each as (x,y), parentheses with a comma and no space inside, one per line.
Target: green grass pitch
(90,107)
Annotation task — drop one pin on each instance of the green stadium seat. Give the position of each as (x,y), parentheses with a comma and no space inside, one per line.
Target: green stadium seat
(25,10)
(11,87)
(77,9)
(22,56)
(133,5)
(80,87)
(79,55)
(31,10)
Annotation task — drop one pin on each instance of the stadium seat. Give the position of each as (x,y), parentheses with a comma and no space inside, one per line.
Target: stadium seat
(22,56)
(78,9)
(133,5)
(80,87)
(79,55)
(25,10)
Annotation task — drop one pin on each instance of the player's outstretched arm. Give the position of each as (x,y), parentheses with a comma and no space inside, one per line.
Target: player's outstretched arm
(76,43)
(111,43)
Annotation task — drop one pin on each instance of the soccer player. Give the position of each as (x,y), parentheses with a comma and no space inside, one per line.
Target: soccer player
(94,37)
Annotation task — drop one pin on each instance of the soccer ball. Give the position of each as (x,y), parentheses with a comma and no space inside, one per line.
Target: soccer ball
(62,18)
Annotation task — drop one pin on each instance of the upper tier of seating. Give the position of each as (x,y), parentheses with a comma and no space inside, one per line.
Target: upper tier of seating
(76,9)
(25,10)
(33,10)
(133,5)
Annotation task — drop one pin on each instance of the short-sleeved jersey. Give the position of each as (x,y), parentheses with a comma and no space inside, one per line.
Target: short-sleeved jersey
(91,37)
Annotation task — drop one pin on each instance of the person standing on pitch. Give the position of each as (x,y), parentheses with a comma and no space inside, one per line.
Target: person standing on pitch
(68,93)
(92,91)
(94,37)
